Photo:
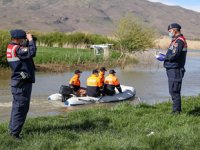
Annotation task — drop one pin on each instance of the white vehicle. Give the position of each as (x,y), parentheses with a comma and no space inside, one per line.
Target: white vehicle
(127,93)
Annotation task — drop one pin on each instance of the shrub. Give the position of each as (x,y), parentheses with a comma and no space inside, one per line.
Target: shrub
(132,36)
(4,40)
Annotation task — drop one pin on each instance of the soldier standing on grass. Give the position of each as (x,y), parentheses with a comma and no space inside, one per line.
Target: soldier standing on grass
(20,53)
(174,62)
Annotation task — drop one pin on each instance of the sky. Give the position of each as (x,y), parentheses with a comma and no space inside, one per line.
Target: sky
(189,4)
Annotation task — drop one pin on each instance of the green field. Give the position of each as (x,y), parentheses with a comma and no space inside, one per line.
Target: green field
(123,126)
(70,56)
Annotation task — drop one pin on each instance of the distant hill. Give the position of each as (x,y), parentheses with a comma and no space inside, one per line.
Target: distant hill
(96,16)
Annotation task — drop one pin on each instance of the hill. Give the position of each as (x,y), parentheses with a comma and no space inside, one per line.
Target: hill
(96,16)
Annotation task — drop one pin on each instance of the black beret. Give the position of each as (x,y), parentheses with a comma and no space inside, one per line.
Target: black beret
(18,34)
(112,71)
(95,71)
(174,25)
(77,71)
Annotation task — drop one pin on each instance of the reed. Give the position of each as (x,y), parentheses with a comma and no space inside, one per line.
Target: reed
(66,56)
(164,41)
(73,39)
(60,59)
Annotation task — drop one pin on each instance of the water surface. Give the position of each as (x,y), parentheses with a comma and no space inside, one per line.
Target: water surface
(149,79)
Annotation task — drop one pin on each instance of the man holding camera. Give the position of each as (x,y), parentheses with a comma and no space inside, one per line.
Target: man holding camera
(20,53)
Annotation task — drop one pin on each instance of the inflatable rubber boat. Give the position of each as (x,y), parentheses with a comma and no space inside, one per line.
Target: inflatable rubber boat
(127,93)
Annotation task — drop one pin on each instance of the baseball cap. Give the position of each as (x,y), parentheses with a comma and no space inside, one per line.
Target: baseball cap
(95,71)
(18,34)
(77,71)
(103,69)
(112,71)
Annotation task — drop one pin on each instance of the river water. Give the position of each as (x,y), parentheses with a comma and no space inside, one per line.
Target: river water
(149,79)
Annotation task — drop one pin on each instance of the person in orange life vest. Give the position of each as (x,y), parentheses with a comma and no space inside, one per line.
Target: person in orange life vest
(93,85)
(101,76)
(74,82)
(110,83)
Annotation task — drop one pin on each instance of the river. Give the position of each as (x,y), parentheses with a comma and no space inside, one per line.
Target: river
(149,79)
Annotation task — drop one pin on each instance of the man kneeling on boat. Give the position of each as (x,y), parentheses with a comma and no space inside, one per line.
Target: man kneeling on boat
(75,84)
(93,85)
(110,83)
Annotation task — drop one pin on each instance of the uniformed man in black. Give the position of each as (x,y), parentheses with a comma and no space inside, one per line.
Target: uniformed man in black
(20,53)
(174,63)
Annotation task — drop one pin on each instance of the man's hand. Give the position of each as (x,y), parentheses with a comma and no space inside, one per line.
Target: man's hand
(160,56)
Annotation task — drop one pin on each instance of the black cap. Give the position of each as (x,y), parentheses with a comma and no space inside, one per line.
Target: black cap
(95,71)
(112,71)
(103,69)
(77,71)
(174,25)
(18,34)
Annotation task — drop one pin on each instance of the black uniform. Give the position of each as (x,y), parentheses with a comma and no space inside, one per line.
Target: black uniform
(23,75)
(174,63)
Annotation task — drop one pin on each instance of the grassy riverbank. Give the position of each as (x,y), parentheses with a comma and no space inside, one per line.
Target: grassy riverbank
(61,59)
(122,127)
(58,59)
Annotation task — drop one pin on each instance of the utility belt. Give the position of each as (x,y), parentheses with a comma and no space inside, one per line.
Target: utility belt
(23,79)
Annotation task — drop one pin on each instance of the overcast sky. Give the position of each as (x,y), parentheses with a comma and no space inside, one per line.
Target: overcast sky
(189,4)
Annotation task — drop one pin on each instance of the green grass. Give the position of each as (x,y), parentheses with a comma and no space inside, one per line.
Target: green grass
(121,127)
(63,55)
(70,56)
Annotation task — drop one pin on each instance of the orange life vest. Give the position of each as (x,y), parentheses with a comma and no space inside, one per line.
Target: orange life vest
(93,80)
(93,86)
(101,78)
(111,80)
(75,80)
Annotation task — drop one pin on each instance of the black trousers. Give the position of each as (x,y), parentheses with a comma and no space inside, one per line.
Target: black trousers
(20,107)
(175,77)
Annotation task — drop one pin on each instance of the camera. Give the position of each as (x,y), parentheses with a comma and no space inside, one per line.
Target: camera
(26,42)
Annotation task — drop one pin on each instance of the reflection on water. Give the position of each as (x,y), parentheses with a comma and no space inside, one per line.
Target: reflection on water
(149,80)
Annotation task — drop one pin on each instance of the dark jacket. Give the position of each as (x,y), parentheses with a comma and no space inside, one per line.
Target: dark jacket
(176,54)
(21,62)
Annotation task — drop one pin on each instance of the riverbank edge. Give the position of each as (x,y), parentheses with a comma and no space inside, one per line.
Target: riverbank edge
(56,67)
(120,127)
